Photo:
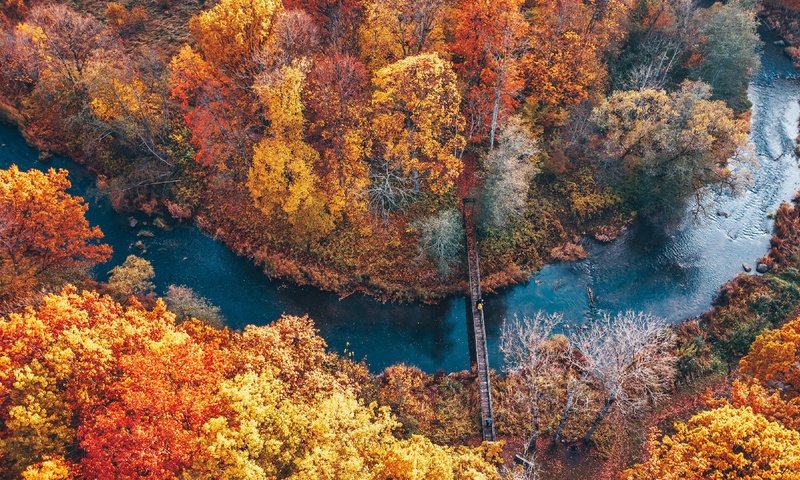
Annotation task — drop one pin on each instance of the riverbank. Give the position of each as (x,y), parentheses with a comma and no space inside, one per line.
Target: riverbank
(783,16)
(380,260)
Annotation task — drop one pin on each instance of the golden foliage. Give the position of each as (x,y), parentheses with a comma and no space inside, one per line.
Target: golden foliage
(416,112)
(232,32)
(774,359)
(723,443)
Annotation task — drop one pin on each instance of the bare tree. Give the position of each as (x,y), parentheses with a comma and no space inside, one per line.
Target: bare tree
(510,170)
(576,398)
(526,469)
(389,190)
(630,358)
(659,55)
(529,355)
(442,238)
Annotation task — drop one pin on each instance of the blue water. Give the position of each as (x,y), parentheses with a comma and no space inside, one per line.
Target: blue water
(672,276)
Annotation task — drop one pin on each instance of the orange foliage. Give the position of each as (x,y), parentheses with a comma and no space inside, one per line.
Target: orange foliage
(568,40)
(774,359)
(490,39)
(92,389)
(44,230)
(206,96)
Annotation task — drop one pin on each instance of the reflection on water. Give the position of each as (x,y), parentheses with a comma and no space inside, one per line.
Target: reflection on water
(674,277)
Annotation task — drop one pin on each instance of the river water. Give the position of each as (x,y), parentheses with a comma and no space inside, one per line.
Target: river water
(673,276)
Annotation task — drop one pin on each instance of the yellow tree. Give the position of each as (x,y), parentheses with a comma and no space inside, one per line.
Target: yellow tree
(132,107)
(720,444)
(769,403)
(43,229)
(283,176)
(50,468)
(416,120)
(395,30)
(234,32)
(774,359)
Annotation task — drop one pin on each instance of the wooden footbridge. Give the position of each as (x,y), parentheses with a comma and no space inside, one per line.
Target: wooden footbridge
(478,353)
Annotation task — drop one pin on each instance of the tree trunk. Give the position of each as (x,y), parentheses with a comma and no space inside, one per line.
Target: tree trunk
(564,417)
(498,92)
(601,415)
(535,434)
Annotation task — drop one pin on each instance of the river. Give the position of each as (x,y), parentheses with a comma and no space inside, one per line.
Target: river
(673,276)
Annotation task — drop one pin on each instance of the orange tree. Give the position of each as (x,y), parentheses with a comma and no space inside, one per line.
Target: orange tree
(43,229)
(723,443)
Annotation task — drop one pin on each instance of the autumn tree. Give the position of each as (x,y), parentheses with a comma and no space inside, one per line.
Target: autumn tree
(53,371)
(133,107)
(219,135)
(133,278)
(339,20)
(337,97)
(53,48)
(417,121)
(393,31)
(283,177)
(723,443)
(771,403)
(232,33)
(510,169)
(43,230)
(164,391)
(629,357)
(490,41)
(64,41)
(295,35)
(773,359)
(770,376)
(50,468)
(664,148)
(568,37)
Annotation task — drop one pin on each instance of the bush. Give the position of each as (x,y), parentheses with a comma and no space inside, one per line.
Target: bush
(186,304)
(132,278)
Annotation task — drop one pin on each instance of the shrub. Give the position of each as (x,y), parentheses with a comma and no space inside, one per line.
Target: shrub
(132,278)
(186,304)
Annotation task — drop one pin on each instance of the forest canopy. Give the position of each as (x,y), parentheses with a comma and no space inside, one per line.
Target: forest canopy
(308,135)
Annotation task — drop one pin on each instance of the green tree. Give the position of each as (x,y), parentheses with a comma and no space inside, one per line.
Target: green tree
(728,52)
(663,148)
